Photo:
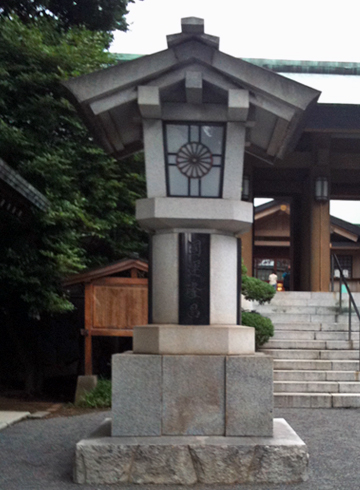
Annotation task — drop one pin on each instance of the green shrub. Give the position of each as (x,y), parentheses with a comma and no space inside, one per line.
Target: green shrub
(99,397)
(264,329)
(256,290)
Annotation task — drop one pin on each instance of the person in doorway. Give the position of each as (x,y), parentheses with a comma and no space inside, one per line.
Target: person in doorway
(286,279)
(273,279)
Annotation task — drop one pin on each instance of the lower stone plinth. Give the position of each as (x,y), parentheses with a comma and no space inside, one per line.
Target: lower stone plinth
(187,460)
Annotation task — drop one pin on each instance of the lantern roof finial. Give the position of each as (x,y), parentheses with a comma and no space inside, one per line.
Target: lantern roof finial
(192,25)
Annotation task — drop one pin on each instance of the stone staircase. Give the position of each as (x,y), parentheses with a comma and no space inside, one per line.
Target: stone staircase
(315,365)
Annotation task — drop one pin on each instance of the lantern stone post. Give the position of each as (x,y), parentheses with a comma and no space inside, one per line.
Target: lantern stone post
(193,402)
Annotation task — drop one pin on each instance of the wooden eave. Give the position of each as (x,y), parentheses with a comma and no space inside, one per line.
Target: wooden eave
(270,211)
(108,270)
(344,233)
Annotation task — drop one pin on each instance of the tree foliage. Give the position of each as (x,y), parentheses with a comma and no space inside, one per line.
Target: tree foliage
(91,216)
(95,15)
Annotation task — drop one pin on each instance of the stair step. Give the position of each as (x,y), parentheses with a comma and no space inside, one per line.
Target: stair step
(294,335)
(296,326)
(306,387)
(309,318)
(339,327)
(298,375)
(279,300)
(346,400)
(324,335)
(349,387)
(312,344)
(313,354)
(315,365)
(313,327)
(295,344)
(316,387)
(303,400)
(316,400)
(309,335)
(288,310)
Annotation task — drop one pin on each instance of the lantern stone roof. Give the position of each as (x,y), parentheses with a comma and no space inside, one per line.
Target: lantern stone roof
(192,72)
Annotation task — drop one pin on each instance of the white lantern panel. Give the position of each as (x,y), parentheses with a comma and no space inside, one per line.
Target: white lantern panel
(216,161)
(194,187)
(194,155)
(210,184)
(177,136)
(194,133)
(178,182)
(212,137)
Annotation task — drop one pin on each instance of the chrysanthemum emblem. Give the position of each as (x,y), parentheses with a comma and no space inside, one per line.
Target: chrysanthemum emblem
(194,160)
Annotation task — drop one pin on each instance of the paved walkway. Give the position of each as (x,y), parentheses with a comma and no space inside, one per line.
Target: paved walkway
(38,454)
(8,418)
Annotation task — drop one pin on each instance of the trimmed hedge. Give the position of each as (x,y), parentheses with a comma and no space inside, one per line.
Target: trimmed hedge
(256,290)
(264,329)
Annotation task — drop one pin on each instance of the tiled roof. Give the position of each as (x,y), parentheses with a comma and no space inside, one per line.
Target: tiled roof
(299,66)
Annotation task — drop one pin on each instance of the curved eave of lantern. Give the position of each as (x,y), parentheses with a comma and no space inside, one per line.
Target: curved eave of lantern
(192,72)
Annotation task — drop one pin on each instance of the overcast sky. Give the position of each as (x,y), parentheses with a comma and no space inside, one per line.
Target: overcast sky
(316,30)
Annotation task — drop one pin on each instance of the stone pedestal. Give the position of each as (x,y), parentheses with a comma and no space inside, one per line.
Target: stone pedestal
(187,460)
(186,419)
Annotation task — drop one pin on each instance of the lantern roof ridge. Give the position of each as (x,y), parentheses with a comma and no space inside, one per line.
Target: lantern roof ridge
(192,28)
(108,99)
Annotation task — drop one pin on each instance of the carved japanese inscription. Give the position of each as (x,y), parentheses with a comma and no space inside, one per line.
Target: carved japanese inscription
(194,279)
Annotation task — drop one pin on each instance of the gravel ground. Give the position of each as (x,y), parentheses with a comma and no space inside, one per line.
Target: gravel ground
(38,454)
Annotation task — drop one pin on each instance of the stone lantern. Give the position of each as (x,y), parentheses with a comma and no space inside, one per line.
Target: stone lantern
(193,393)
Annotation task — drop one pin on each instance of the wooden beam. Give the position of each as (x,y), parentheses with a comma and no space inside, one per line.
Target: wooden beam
(120,281)
(271,243)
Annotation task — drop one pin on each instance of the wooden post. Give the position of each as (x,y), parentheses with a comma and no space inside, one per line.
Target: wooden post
(247,250)
(320,247)
(88,326)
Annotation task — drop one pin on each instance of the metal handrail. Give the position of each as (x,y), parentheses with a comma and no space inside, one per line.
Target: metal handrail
(351,298)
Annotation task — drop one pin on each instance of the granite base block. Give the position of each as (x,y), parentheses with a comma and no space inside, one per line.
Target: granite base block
(187,460)
(249,396)
(136,395)
(189,395)
(193,404)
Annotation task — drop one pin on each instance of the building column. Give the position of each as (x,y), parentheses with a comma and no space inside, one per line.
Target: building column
(320,246)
